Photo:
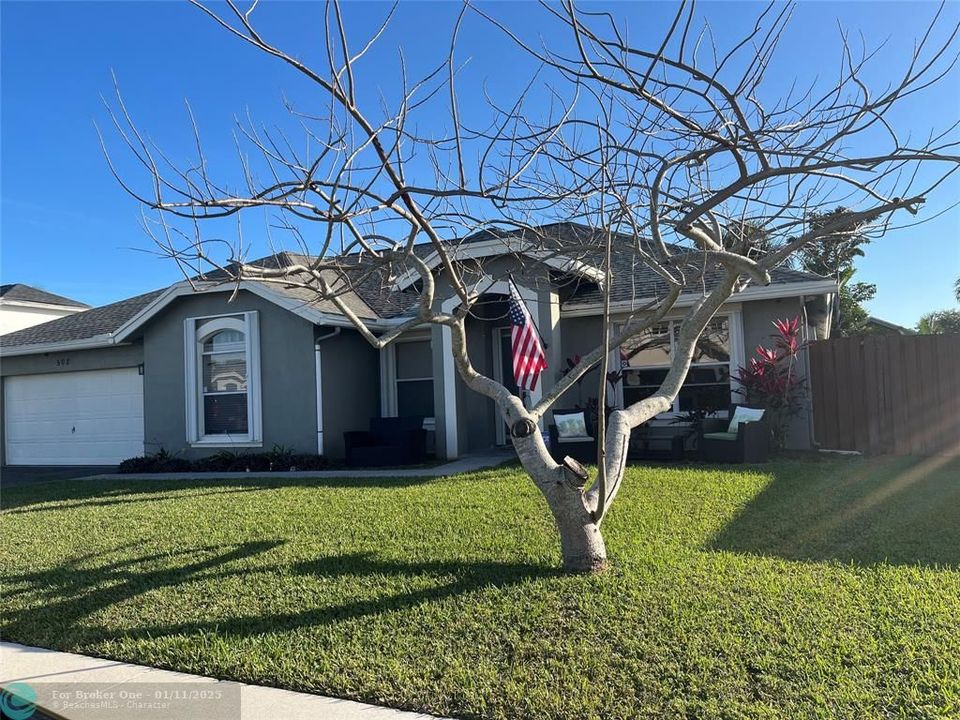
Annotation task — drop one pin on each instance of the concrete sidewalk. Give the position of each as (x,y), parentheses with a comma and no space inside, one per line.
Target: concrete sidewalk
(77,687)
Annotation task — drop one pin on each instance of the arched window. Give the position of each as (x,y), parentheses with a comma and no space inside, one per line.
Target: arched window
(223,406)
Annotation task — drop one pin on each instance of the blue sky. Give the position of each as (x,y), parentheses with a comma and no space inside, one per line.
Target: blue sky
(67,227)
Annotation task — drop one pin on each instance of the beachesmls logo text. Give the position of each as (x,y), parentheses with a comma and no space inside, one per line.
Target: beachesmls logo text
(18,701)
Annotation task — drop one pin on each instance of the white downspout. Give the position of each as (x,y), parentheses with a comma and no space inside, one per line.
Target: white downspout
(319,372)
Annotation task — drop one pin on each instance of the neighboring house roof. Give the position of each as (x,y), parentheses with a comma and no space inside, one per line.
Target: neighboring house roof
(889,327)
(374,294)
(18,292)
(80,326)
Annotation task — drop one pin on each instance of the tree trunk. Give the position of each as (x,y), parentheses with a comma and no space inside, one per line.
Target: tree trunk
(581,543)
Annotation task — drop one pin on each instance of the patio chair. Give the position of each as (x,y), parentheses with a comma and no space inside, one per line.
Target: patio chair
(579,447)
(389,441)
(749,444)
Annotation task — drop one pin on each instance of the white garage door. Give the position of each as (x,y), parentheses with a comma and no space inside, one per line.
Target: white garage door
(73,418)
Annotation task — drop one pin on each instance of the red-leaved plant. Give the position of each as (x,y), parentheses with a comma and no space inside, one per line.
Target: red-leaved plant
(772,379)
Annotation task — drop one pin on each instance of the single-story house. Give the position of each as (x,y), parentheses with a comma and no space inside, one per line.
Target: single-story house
(22,306)
(878,326)
(193,372)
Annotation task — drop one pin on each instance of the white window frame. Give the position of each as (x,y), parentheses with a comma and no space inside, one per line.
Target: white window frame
(195,331)
(734,318)
(388,379)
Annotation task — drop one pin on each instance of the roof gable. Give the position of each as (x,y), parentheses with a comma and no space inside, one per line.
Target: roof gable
(489,244)
(307,308)
(18,292)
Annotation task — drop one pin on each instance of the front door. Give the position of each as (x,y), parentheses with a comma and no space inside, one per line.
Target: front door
(503,373)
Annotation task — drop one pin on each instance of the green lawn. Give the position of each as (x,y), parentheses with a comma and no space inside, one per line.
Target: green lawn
(798,589)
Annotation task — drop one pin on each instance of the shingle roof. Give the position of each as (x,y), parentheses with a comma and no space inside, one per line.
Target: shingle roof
(632,279)
(26,293)
(361,286)
(370,293)
(82,325)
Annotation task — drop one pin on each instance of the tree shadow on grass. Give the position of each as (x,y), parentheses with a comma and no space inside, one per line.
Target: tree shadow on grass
(104,493)
(75,592)
(83,586)
(903,511)
(444,579)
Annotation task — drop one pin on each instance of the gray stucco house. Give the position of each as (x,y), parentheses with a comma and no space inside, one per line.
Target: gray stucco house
(193,372)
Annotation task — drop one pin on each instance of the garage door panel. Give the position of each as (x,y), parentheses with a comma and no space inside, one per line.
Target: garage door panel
(74,418)
(82,431)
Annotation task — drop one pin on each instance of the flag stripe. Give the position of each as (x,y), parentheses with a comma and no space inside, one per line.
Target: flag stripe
(526,347)
(524,358)
(529,359)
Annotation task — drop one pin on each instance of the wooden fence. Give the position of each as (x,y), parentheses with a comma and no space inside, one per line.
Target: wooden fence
(895,394)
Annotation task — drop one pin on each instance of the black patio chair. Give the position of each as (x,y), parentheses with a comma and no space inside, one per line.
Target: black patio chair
(389,441)
(583,448)
(749,444)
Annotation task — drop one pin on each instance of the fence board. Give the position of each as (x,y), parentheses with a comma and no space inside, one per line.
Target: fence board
(886,408)
(900,444)
(949,363)
(912,391)
(829,368)
(887,393)
(861,411)
(873,401)
(929,397)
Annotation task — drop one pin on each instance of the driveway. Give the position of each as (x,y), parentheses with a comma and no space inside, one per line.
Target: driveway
(14,476)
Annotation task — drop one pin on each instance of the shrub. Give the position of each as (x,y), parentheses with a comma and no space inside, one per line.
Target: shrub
(141,464)
(308,462)
(222,461)
(162,461)
(174,464)
(280,459)
(255,462)
(772,381)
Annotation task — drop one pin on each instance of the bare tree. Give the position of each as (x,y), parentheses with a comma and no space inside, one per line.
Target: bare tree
(662,151)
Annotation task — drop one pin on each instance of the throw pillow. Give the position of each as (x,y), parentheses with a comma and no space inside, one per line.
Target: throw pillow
(571,425)
(744,415)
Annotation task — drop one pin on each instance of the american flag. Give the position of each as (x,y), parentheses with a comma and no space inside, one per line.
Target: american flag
(528,357)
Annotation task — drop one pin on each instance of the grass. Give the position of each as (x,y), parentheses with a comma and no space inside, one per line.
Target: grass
(794,590)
